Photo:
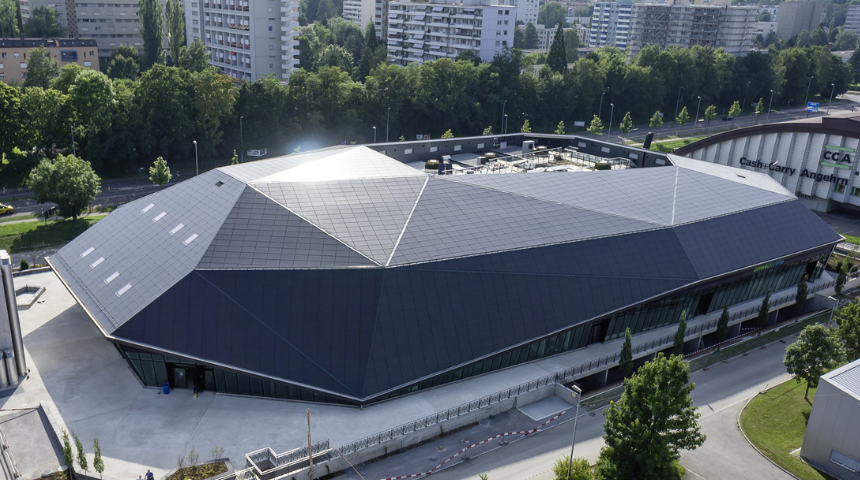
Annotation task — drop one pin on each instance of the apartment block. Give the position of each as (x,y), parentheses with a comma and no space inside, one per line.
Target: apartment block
(15,51)
(610,24)
(361,12)
(419,32)
(795,17)
(852,19)
(685,25)
(246,39)
(527,11)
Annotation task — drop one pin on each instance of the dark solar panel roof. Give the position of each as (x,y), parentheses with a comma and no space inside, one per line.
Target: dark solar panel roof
(345,270)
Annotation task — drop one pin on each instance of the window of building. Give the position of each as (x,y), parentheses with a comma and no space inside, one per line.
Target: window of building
(1,65)
(855,191)
(2,75)
(270,28)
(839,188)
(3,55)
(23,65)
(17,55)
(844,461)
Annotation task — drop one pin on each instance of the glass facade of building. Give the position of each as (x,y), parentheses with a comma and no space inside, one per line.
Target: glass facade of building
(155,369)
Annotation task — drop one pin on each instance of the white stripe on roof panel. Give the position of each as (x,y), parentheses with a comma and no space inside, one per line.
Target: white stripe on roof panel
(190,239)
(159,216)
(111,278)
(146,209)
(177,228)
(97,262)
(123,289)
(87,252)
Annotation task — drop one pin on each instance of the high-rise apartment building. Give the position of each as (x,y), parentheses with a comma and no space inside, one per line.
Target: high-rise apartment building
(852,19)
(610,24)
(419,32)
(361,12)
(685,25)
(795,17)
(527,10)
(246,39)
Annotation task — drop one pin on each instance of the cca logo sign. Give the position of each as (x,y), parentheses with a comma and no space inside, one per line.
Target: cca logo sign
(841,157)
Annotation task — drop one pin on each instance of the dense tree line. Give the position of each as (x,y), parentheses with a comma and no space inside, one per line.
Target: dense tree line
(125,119)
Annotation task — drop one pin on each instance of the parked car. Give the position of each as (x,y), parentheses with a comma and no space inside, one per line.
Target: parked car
(6,209)
(728,118)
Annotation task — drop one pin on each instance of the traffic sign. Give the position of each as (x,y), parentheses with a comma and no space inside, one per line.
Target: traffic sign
(812,107)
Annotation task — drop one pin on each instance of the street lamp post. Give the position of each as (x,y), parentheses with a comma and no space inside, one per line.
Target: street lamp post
(768,107)
(578,392)
(833,89)
(806,104)
(374,134)
(502,128)
(678,103)
(387,118)
(241,140)
(196,162)
(505,124)
(600,110)
(697,111)
(746,90)
(611,112)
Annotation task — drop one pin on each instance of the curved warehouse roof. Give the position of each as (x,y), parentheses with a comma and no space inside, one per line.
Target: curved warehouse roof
(347,271)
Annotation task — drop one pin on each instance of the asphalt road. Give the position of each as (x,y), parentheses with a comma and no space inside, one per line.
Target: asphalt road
(721,392)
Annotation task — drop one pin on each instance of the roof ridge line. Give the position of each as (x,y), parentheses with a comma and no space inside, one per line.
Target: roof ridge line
(408,218)
(559,203)
(674,196)
(314,225)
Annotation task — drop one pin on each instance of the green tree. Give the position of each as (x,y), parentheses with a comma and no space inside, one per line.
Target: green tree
(98,463)
(763,312)
(447,134)
(626,360)
(626,124)
(646,429)
(848,333)
(559,129)
(526,128)
(41,68)
(10,118)
(159,172)
(802,293)
(234,160)
(152,31)
(68,454)
(557,57)
(678,344)
(814,352)
(121,67)
(519,38)
(551,14)
(723,325)
(46,119)
(531,37)
(194,57)
(710,114)
(81,457)
(596,126)
(571,45)
(734,111)
(683,117)
(842,277)
(67,181)
(9,27)
(580,470)
(44,22)
(488,131)
(845,40)
(759,108)
(175,29)
(656,120)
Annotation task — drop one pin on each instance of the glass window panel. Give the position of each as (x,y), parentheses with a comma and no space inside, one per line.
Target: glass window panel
(148,373)
(220,384)
(232,382)
(160,372)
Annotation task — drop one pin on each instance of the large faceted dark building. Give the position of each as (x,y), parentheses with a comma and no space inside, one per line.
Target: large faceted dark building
(342,275)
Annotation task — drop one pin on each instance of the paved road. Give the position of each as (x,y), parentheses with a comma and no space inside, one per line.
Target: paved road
(720,394)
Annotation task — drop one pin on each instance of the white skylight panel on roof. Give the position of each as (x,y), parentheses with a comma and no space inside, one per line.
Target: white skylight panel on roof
(123,290)
(87,252)
(146,209)
(177,228)
(190,239)
(97,262)
(159,216)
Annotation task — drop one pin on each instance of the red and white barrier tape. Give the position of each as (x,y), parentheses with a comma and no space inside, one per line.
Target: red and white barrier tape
(452,457)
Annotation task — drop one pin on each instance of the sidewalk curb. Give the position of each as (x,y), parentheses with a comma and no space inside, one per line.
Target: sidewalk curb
(748,440)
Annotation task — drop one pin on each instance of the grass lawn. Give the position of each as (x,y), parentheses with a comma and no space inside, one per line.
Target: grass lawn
(666,147)
(24,236)
(19,218)
(776,421)
(852,239)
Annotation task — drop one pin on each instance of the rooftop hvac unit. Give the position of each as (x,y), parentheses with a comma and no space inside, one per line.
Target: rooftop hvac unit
(528,146)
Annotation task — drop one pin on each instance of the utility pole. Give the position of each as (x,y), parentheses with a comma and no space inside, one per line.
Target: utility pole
(310,453)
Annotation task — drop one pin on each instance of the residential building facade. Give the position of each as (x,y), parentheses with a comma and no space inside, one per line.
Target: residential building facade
(685,25)
(795,17)
(420,32)
(527,11)
(610,24)
(361,12)
(852,19)
(246,39)
(15,51)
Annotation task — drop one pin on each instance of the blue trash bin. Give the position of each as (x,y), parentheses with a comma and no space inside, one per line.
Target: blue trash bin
(166,388)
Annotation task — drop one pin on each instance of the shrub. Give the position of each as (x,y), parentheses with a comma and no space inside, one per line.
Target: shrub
(24,264)
(431,164)
(603,166)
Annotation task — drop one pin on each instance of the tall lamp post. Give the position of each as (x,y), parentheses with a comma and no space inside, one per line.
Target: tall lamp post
(746,90)
(833,89)
(697,111)
(578,393)
(196,162)
(768,107)
(387,118)
(600,110)
(241,140)
(678,103)
(374,134)
(502,127)
(611,112)
(505,124)
(806,105)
